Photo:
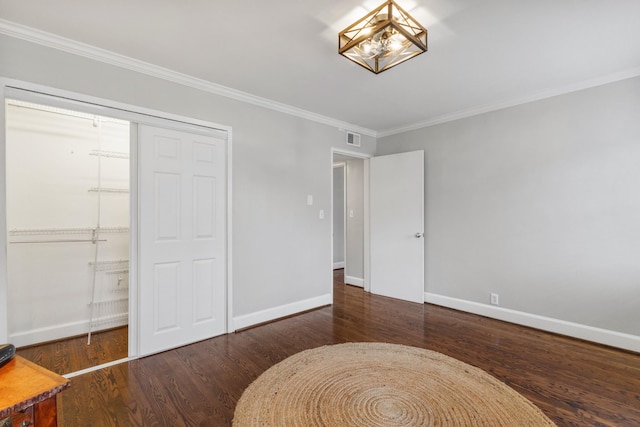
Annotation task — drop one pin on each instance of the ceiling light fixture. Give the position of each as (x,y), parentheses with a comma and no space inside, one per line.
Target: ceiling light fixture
(383,38)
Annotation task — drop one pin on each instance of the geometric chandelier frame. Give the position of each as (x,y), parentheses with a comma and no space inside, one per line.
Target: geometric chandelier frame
(384,38)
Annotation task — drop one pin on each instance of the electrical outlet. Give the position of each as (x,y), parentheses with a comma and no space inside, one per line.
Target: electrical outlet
(494,299)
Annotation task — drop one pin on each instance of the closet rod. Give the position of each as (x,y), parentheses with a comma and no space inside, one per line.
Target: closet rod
(59,231)
(63,241)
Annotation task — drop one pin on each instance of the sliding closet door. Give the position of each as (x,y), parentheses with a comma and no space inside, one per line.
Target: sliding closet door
(182,238)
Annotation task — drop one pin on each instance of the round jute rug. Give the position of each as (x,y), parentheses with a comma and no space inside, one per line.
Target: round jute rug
(377,384)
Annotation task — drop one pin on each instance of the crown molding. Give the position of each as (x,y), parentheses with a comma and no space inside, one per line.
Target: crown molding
(91,52)
(610,78)
(43,38)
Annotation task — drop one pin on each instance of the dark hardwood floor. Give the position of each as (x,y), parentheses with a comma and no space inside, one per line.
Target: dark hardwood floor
(73,354)
(574,382)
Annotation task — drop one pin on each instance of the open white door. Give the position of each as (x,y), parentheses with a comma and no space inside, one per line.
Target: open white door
(182,238)
(397,225)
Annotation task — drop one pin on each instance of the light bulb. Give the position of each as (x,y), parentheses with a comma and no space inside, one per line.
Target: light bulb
(396,42)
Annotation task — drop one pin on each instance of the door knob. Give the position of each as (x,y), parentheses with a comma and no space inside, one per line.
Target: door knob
(419,235)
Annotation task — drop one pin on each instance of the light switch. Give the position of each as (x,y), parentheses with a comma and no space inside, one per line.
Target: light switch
(321,215)
(309,200)
(350,213)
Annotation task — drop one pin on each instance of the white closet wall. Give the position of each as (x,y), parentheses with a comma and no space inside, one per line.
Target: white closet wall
(65,172)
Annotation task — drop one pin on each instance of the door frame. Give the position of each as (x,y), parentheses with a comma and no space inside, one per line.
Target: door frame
(366,259)
(11,88)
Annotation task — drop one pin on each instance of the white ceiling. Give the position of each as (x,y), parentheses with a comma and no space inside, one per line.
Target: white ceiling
(482,54)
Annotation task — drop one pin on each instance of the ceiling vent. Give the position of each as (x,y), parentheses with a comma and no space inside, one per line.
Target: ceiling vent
(353,139)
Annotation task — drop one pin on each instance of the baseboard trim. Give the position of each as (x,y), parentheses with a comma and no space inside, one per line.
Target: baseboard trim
(56,332)
(244,321)
(562,327)
(338,265)
(355,281)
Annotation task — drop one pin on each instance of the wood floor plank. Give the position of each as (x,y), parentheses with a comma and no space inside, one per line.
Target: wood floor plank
(73,354)
(575,383)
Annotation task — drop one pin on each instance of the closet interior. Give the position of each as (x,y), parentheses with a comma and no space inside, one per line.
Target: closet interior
(67,223)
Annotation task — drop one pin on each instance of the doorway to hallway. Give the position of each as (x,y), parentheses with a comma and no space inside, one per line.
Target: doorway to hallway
(349,213)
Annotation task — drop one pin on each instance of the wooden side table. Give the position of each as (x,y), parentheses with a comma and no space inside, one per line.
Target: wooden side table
(28,394)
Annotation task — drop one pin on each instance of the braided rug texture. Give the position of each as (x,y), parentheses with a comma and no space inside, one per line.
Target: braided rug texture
(378,384)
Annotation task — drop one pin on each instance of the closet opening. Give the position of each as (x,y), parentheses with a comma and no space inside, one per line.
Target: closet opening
(68,219)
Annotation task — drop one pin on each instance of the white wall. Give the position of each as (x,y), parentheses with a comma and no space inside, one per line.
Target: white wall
(338,215)
(50,170)
(354,271)
(540,204)
(281,249)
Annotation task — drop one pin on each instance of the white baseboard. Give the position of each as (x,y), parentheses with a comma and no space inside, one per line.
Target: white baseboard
(355,281)
(576,330)
(338,265)
(270,314)
(56,332)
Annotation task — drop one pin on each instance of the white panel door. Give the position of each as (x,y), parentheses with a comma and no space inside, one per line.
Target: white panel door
(182,257)
(397,225)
